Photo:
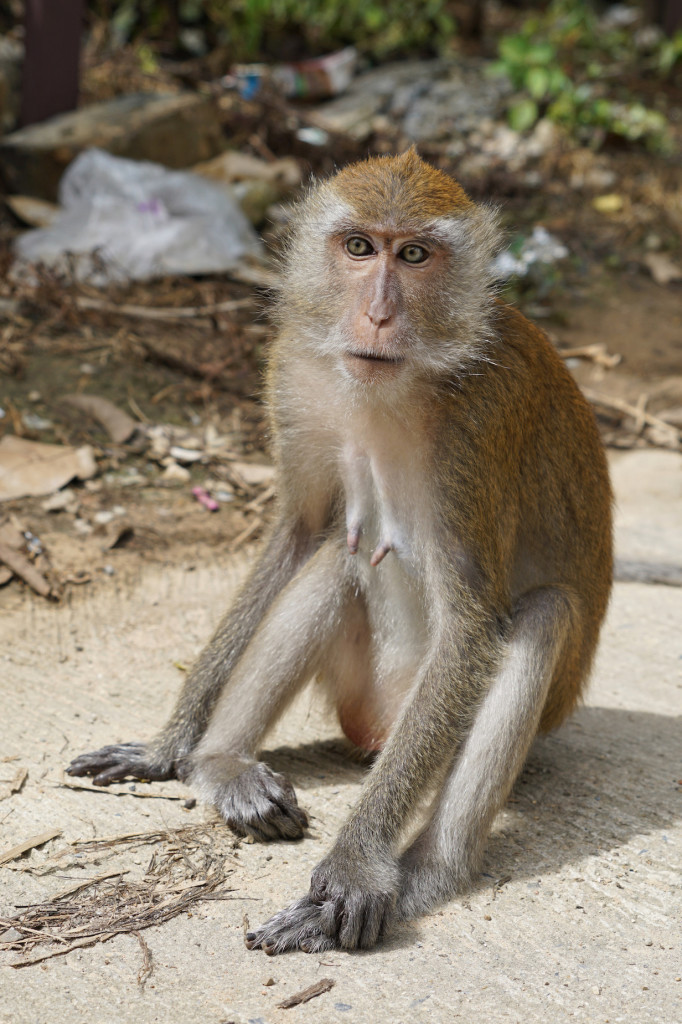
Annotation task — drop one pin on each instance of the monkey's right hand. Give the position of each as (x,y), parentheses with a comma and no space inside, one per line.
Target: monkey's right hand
(123,761)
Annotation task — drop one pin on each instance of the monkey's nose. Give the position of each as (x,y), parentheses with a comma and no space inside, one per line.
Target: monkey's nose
(378,317)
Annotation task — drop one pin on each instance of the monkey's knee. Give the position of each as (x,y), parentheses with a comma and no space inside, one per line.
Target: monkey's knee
(251,798)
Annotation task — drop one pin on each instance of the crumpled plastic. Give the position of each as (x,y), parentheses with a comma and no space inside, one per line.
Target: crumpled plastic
(134,220)
(541,247)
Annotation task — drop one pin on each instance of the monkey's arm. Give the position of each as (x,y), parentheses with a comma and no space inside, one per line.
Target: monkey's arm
(284,654)
(164,757)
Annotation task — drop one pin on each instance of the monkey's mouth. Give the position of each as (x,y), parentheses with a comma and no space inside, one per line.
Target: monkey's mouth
(374,357)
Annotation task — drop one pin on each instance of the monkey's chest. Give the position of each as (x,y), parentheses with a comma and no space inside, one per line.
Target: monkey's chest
(380,510)
(382,535)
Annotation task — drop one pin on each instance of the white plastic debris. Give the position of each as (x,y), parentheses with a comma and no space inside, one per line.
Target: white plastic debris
(541,247)
(127,219)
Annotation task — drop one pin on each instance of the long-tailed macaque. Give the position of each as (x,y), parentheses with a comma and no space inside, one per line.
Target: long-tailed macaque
(440,561)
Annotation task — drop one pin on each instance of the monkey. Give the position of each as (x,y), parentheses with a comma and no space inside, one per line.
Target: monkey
(440,561)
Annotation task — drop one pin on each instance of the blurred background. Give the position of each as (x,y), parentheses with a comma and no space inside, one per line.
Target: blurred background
(149,155)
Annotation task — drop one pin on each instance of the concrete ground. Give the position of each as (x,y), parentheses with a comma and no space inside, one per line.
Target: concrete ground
(588,925)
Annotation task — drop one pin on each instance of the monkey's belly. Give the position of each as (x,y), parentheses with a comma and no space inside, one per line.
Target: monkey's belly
(361,724)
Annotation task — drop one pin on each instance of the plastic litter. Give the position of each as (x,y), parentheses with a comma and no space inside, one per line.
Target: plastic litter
(127,219)
(316,78)
(540,247)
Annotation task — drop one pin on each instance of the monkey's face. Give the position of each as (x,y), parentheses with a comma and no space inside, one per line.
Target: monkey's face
(387,273)
(388,280)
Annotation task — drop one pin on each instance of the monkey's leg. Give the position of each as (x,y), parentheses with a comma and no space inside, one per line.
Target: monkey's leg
(164,757)
(285,652)
(446,856)
(353,890)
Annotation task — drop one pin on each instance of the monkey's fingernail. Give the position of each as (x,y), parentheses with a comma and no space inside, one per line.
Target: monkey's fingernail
(250,936)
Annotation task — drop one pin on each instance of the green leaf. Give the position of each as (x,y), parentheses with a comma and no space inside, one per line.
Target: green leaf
(523,115)
(537,82)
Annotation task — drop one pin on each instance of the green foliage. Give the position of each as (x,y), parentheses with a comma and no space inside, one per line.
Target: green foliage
(562,64)
(257,29)
(670,52)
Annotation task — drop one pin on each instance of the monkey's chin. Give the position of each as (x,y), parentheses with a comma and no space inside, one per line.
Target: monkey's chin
(371,369)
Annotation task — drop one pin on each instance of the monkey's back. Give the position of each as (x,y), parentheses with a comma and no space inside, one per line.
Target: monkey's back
(535,486)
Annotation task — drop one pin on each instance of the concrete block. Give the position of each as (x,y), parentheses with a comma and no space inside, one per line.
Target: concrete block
(174,130)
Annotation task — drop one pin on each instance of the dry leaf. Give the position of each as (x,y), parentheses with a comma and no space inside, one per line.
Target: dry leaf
(31,469)
(118,424)
(662,268)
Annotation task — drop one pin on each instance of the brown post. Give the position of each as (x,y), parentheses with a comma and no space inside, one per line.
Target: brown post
(51,64)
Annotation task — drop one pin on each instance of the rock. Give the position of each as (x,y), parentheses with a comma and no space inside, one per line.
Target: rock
(174,130)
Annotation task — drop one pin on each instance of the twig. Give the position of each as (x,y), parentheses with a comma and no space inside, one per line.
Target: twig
(21,567)
(629,410)
(597,353)
(145,972)
(29,844)
(318,989)
(164,312)
(246,534)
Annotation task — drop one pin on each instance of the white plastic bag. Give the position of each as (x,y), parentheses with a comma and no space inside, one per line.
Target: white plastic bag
(129,219)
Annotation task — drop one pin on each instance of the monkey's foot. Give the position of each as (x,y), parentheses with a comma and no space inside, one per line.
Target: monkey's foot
(122,761)
(256,802)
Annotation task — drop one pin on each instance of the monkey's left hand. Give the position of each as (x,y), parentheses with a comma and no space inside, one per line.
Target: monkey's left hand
(350,901)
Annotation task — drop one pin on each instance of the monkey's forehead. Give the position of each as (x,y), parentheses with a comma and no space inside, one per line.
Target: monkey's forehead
(399,190)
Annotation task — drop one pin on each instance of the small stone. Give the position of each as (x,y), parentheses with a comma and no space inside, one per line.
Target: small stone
(175,474)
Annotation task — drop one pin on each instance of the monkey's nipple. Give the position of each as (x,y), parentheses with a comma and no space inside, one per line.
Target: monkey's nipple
(380,553)
(353,539)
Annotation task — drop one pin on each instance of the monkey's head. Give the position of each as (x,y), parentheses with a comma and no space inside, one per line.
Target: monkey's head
(387,270)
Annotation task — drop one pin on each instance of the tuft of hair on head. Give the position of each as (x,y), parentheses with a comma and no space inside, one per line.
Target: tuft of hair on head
(404,189)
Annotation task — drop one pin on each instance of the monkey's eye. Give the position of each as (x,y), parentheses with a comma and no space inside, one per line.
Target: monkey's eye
(357,246)
(413,254)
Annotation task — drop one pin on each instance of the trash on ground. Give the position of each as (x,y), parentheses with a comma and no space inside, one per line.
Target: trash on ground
(118,424)
(127,219)
(612,202)
(316,78)
(32,469)
(541,247)
(32,421)
(205,499)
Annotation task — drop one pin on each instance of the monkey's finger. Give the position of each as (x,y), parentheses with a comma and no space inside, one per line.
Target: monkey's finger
(105,757)
(116,773)
(351,921)
(293,820)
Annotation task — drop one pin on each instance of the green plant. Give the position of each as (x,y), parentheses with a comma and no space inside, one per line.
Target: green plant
(269,29)
(565,66)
